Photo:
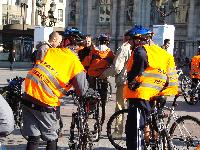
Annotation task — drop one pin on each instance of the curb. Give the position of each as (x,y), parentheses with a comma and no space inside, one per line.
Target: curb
(6,64)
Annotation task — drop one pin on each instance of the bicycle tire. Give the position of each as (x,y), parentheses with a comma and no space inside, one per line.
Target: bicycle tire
(185,83)
(109,93)
(190,94)
(85,141)
(97,116)
(103,112)
(191,100)
(182,135)
(109,130)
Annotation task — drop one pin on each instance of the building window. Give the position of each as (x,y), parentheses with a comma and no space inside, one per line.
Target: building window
(104,11)
(129,10)
(72,12)
(60,15)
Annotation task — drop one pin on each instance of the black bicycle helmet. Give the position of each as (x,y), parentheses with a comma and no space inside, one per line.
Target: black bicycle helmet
(103,39)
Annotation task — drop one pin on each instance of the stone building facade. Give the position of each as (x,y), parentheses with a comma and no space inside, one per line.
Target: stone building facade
(114,17)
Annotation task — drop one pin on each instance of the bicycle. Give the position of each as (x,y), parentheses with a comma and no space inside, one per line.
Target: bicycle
(179,131)
(185,81)
(13,95)
(100,85)
(191,92)
(165,115)
(86,106)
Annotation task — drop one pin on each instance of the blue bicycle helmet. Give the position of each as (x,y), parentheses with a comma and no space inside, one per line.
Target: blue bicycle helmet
(74,36)
(72,31)
(139,32)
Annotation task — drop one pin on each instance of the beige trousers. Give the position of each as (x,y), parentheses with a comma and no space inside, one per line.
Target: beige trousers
(120,104)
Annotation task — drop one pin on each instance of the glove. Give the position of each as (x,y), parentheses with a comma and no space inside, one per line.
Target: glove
(133,85)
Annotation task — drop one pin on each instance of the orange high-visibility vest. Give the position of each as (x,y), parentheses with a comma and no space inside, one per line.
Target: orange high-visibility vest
(47,81)
(161,69)
(195,67)
(98,61)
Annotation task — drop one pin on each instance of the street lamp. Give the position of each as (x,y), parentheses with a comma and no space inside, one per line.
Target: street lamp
(161,8)
(41,11)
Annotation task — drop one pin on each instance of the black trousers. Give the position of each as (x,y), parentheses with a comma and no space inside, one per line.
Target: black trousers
(137,112)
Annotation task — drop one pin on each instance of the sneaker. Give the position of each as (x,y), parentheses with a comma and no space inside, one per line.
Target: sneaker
(116,135)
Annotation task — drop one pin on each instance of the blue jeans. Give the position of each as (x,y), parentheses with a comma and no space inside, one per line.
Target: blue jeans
(11,65)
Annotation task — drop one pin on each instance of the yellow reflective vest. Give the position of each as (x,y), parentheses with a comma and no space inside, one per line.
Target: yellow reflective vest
(47,81)
(161,70)
(195,68)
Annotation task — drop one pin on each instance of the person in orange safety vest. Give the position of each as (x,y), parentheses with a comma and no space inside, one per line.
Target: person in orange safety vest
(151,72)
(99,59)
(195,72)
(45,84)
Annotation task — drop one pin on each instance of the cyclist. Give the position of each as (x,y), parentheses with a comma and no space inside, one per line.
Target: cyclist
(151,72)
(99,59)
(118,69)
(88,46)
(44,85)
(195,71)
(6,118)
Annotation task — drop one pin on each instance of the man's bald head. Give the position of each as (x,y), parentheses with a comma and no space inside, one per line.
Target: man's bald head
(55,39)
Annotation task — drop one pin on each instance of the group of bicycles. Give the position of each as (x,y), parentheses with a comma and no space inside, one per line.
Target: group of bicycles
(168,131)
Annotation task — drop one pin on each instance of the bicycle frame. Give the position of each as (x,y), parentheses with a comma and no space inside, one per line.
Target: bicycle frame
(156,122)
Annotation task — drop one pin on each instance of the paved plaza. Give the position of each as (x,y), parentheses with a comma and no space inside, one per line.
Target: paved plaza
(16,142)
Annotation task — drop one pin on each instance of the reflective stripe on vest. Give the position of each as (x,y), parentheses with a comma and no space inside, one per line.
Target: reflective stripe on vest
(159,76)
(39,83)
(53,80)
(151,86)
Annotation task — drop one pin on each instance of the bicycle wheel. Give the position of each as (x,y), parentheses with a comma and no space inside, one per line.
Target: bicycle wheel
(185,133)
(113,125)
(191,97)
(85,141)
(102,111)
(185,83)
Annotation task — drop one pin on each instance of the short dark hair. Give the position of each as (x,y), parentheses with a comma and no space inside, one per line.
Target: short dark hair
(166,41)
(53,35)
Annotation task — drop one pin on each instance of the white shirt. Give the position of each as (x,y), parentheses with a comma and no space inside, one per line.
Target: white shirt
(118,69)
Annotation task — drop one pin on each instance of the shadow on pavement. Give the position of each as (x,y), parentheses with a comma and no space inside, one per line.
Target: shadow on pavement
(183,106)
